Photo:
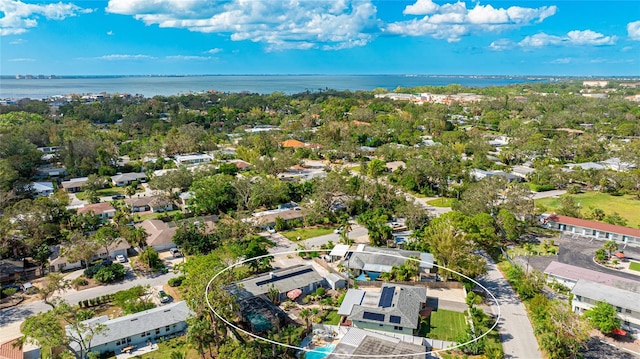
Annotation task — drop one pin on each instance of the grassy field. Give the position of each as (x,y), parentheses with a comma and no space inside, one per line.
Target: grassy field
(537,249)
(102,192)
(441,202)
(165,348)
(306,233)
(627,206)
(332,318)
(151,215)
(443,325)
(634,266)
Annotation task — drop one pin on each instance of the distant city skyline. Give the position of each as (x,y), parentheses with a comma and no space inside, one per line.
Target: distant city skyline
(192,37)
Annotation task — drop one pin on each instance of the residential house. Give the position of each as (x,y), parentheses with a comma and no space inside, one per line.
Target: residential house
(359,343)
(242,165)
(585,166)
(11,269)
(569,275)
(155,204)
(41,189)
(591,229)
(74,185)
(192,160)
(137,330)
(14,349)
(299,279)
(626,300)
(59,262)
(395,308)
(616,164)
(522,171)
(369,263)
(48,171)
(104,210)
(479,174)
(299,144)
(595,83)
(160,234)
(125,179)
(268,218)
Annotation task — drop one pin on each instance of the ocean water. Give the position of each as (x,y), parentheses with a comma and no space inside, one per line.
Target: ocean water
(11,88)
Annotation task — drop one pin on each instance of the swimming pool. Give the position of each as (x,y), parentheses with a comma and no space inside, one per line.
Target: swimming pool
(320,352)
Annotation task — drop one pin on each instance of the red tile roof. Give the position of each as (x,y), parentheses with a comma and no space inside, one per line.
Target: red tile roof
(599,226)
(8,351)
(96,208)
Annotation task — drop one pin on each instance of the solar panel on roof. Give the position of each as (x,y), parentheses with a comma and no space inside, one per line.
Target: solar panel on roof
(386,297)
(394,319)
(278,277)
(373,316)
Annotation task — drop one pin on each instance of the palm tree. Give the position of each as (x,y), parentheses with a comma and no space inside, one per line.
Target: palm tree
(306,315)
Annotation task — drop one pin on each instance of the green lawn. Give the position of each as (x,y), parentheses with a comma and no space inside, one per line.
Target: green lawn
(441,202)
(165,348)
(443,325)
(634,266)
(155,215)
(537,249)
(332,318)
(306,233)
(102,192)
(627,206)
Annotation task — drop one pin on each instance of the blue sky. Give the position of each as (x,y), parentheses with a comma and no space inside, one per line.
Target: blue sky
(140,37)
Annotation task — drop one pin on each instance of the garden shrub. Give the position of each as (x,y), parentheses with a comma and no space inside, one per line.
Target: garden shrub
(176,282)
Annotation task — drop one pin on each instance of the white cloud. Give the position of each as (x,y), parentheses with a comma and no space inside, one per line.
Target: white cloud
(19,16)
(633,30)
(110,32)
(502,44)
(281,24)
(588,37)
(115,57)
(575,37)
(22,59)
(451,21)
(540,39)
(627,48)
(17,42)
(562,60)
(421,7)
(214,51)
(188,57)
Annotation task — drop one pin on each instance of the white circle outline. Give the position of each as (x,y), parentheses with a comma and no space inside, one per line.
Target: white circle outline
(306,350)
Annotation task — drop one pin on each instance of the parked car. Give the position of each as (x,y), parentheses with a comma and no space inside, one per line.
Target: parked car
(118,196)
(164,297)
(175,252)
(339,230)
(120,258)
(271,230)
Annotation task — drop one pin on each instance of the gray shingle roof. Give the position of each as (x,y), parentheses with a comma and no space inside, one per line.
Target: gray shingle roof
(627,299)
(284,280)
(405,304)
(134,324)
(383,259)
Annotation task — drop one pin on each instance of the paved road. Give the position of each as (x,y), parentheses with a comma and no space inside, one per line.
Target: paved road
(545,194)
(516,332)
(10,316)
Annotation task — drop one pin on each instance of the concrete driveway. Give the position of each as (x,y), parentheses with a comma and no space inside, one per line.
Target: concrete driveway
(516,331)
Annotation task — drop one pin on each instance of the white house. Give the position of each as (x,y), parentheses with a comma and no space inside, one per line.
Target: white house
(104,210)
(74,185)
(192,160)
(41,189)
(569,275)
(136,330)
(591,229)
(125,179)
(625,299)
